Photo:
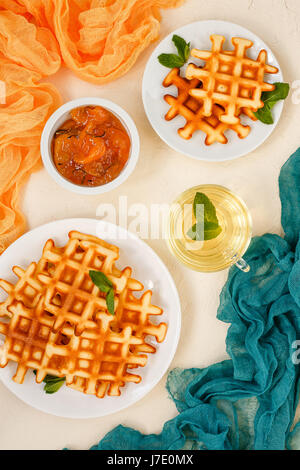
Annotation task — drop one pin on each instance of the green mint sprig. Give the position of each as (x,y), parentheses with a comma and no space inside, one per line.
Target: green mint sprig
(105,286)
(270,98)
(207,225)
(174,60)
(52,383)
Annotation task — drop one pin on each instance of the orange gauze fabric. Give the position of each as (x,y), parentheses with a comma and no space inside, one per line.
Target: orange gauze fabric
(99,40)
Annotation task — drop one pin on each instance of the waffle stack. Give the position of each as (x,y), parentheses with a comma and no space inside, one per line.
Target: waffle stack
(55,320)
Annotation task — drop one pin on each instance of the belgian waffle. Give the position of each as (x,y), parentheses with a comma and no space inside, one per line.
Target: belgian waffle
(95,362)
(230,78)
(191,109)
(30,342)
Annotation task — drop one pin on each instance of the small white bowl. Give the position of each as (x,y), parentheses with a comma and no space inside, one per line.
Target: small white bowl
(60,116)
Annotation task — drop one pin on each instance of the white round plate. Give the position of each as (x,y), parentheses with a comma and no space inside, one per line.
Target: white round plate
(147,268)
(198,34)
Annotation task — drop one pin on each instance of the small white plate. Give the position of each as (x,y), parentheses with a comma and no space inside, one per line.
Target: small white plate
(198,34)
(147,267)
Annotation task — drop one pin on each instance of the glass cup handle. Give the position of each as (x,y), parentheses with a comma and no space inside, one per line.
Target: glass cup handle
(243,265)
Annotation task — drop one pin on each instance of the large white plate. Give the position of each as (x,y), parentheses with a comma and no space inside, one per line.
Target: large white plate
(153,92)
(147,267)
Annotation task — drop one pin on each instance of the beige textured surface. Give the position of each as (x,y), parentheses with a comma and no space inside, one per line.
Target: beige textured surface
(160,175)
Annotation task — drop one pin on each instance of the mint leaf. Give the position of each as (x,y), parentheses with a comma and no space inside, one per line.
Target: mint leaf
(106,286)
(171,60)
(110,302)
(270,98)
(176,61)
(280,92)
(194,233)
(265,114)
(207,225)
(101,281)
(53,383)
(210,232)
(210,214)
(182,47)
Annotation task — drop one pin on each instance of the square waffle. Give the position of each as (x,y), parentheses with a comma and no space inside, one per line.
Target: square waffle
(136,314)
(230,78)
(70,293)
(99,359)
(192,110)
(30,341)
(28,289)
(95,362)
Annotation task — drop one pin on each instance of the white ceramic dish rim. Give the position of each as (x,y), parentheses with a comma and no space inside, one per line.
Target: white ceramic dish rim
(60,115)
(188,153)
(74,223)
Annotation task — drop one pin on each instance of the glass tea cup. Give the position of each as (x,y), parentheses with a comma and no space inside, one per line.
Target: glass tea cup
(221,252)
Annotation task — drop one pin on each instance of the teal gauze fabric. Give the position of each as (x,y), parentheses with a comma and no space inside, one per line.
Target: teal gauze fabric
(249,401)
